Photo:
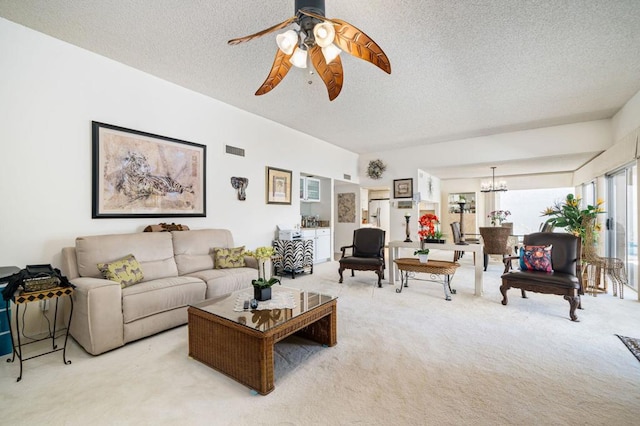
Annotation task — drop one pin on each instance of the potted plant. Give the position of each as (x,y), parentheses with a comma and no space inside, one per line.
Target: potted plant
(573,217)
(423,255)
(498,216)
(428,228)
(262,286)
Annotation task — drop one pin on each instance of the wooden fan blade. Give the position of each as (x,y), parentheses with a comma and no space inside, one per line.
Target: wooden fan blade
(330,73)
(276,27)
(357,43)
(279,70)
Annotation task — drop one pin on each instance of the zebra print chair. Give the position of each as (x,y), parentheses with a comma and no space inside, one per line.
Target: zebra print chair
(367,253)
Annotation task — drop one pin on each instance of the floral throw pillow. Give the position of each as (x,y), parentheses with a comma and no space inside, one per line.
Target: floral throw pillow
(535,258)
(125,271)
(224,258)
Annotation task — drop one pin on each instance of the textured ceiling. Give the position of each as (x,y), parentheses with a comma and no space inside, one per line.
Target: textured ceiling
(459,68)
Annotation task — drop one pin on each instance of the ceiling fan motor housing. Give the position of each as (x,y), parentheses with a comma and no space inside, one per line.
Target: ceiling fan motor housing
(307,22)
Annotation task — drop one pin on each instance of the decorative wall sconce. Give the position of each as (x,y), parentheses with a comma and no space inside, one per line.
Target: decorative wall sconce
(240,183)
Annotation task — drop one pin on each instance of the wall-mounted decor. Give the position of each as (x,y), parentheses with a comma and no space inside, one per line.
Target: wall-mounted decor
(375,169)
(278,186)
(138,174)
(403,188)
(347,207)
(405,204)
(240,183)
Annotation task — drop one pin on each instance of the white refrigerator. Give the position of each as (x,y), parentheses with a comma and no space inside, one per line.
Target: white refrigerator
(379,210)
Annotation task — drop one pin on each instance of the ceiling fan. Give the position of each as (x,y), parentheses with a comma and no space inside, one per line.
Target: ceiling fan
(321,39)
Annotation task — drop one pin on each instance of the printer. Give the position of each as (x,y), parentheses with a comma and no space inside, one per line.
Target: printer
(288,233)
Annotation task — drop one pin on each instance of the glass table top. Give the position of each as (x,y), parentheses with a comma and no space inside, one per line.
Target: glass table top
(230,307)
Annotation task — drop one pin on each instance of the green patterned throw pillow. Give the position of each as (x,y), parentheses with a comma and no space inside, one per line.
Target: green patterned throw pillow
(125,271)
(228,257)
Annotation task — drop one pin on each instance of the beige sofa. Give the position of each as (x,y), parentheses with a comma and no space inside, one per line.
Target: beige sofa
(178,270)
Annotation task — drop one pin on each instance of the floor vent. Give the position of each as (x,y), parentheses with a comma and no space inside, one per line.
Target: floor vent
(347,177)
(234,150)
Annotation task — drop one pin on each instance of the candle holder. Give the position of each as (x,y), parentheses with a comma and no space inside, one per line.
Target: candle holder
(462,241)
(407,216)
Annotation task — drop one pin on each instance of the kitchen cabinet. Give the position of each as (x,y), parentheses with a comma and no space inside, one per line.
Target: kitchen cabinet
(321,243)
(469,199)
(310,189)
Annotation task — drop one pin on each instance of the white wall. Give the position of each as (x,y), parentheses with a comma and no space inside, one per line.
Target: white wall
(627,119)
(626,132)
(591,136)
(50,91)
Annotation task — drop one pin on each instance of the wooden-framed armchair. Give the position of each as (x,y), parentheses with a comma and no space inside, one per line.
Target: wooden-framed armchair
(565,278)
(367,253)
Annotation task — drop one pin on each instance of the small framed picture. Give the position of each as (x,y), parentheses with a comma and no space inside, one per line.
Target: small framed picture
(278,186)
(403,188)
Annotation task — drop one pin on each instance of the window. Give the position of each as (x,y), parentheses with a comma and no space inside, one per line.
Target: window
(526,206)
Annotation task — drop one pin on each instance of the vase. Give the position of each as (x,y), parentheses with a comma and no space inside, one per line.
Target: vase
(423,258)
(261,293)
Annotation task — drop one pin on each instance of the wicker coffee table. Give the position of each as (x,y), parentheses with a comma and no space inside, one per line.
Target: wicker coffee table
(240,344)
(433,267)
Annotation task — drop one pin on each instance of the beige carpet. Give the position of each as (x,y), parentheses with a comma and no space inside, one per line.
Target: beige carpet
(401,359)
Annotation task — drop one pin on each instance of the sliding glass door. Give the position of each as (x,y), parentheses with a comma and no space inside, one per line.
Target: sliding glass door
(622,219)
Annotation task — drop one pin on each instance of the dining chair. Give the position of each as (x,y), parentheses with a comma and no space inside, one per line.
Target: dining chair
(495,240)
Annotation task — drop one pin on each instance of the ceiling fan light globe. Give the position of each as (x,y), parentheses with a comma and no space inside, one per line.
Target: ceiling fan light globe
(287,41)
(324,34)
(299,58)
(330,52)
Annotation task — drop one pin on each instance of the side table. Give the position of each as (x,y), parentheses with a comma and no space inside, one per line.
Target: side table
(293,256)
(433,267)
(6,345)
(22,298)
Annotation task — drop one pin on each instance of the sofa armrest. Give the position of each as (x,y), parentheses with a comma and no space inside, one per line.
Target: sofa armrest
(97,322)
(69,264)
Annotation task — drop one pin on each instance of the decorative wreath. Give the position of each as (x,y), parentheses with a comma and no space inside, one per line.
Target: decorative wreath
(375,169)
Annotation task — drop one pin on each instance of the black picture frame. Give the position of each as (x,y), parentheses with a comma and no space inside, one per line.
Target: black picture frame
(137,174)
(278,186)
(403,188)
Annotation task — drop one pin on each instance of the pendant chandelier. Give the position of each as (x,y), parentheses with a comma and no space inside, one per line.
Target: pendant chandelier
(493,186)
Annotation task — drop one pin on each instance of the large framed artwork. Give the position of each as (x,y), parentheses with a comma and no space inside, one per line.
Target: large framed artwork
(278,186)
(403,188)
(138,174)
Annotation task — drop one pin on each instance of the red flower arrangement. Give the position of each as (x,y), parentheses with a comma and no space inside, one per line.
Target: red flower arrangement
(428,224)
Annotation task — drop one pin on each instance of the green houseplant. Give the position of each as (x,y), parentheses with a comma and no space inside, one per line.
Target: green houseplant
(573,217)
(423,254)
(262,286)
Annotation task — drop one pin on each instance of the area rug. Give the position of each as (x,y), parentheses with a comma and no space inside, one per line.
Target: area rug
(632,344)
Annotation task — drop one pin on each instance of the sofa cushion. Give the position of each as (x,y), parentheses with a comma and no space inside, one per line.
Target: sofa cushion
(153,297)
(153,250)
(125,271)
(224,258)
(224,281)
(194,249)
(535,258)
